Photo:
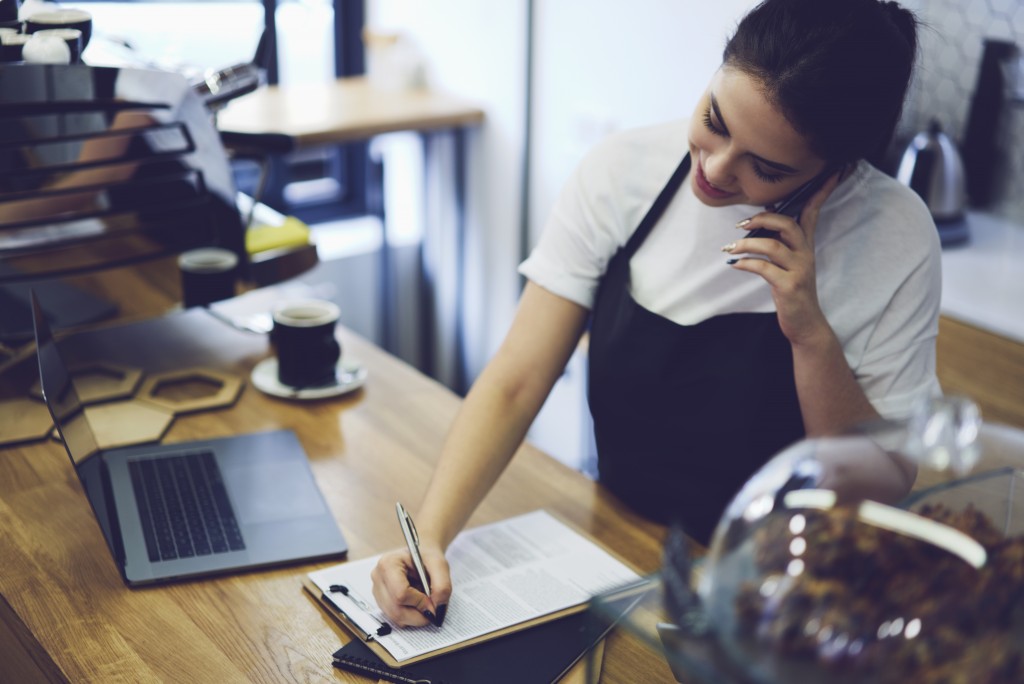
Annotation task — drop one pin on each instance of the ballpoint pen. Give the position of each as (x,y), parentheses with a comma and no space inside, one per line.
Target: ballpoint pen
(412,540)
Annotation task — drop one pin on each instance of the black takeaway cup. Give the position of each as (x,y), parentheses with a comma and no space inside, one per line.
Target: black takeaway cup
(208,275)
(303,336)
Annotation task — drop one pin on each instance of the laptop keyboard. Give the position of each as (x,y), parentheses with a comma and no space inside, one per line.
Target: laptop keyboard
(184,506)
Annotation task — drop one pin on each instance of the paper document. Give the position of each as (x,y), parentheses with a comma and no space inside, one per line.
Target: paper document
(504,574)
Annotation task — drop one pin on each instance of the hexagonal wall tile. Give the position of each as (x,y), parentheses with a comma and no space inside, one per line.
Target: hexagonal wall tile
(23,420)
(117,424)
(191,389)
(100,381)
(951,50)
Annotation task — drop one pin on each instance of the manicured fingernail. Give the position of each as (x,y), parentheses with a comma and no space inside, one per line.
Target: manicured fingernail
(442,610)
(729,247)
(744,223)
(430,616)
(730,262)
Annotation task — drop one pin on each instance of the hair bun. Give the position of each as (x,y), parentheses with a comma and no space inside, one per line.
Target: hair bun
(903,19)
(838,69)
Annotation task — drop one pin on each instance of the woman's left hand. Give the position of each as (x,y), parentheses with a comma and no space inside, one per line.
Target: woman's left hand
(788,265)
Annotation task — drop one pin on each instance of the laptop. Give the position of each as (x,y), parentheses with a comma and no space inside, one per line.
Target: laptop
(192,509)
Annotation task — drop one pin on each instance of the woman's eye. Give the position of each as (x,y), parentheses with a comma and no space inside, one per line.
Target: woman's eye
(710,125)
(766,176)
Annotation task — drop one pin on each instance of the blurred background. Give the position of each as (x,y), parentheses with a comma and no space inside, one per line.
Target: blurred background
(554,77)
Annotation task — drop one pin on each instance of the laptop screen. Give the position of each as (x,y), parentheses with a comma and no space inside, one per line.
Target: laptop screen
(69,419)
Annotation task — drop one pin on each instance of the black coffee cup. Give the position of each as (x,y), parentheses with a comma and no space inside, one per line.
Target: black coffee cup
(9,10)
(11,45)
(208,275)
(303,337)
(61,18)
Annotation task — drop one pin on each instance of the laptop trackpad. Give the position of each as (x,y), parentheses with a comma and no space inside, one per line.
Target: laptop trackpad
(267,491)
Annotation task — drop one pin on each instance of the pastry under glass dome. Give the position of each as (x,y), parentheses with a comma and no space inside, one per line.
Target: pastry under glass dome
(808,579)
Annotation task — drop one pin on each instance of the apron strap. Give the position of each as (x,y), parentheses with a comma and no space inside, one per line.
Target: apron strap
(658,208)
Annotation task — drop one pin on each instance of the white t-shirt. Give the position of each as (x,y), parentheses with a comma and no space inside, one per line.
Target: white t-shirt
(876,250)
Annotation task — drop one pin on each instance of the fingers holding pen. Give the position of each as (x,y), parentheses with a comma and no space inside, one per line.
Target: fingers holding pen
(402,603)
(398,592)
(440,580)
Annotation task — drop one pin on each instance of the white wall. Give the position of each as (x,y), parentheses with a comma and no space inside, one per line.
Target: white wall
(606,65)
(477,50)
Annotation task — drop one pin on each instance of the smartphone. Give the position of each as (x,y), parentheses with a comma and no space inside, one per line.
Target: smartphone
(793,204)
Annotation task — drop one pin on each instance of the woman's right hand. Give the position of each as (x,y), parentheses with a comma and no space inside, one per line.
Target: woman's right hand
(397,591)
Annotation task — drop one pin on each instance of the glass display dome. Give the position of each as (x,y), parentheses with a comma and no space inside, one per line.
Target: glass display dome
(822,570)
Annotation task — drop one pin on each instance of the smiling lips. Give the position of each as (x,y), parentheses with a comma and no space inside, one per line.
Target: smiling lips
(707,188)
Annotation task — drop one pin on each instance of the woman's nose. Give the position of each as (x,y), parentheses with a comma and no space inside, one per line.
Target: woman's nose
(718,169)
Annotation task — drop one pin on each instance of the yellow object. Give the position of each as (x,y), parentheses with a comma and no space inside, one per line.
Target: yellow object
(262,237)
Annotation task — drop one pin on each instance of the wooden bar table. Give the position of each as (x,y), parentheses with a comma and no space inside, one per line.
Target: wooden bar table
(345,110)
(65,615)
(354,109)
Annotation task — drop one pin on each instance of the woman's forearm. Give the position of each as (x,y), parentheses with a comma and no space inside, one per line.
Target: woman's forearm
(485,434)
(832,402)
(831,399)
(499,409)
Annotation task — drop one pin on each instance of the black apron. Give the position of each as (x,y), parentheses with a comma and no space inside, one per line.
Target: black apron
(684,414)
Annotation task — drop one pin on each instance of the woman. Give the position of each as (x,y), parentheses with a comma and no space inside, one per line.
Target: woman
(704,365)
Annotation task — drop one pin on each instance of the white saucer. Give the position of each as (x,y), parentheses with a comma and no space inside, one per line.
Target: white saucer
(350,376)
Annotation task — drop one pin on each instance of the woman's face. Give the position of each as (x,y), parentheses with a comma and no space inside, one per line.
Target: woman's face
(743,149)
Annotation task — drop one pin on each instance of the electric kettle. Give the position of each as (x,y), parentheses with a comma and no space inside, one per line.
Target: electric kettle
(932,167)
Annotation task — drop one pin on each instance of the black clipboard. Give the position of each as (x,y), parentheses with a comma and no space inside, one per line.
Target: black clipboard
(542,653)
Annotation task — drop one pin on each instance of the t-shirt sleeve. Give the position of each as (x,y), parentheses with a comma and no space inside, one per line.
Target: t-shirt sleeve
(582,232)
(897,370)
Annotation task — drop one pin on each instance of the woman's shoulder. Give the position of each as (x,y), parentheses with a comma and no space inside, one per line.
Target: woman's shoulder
(636,162)
(878,191)
(874,198)
(667,139)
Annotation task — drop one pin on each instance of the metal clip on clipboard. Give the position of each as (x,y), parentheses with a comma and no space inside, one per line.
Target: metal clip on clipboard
(377,628)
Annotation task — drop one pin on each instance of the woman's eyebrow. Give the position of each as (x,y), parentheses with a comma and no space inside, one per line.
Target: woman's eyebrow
(767,162)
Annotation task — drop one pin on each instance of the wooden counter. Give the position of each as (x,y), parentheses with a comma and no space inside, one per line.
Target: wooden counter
(984,366)
(65,614)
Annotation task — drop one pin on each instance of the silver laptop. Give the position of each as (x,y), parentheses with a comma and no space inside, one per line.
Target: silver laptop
(187,510)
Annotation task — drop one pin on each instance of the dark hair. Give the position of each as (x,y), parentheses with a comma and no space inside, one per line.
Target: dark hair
(837,69)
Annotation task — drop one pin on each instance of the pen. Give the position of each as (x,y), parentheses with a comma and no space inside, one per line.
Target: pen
(412,540)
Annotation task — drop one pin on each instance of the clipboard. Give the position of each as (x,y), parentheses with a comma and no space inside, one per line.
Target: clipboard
(558,652)
(352,612)
(357,634)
